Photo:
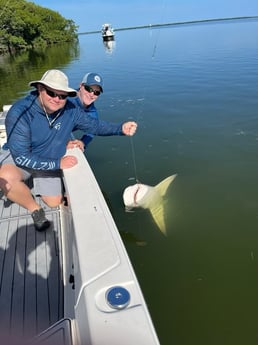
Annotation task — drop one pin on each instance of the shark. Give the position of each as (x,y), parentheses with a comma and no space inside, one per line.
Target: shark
(151,198)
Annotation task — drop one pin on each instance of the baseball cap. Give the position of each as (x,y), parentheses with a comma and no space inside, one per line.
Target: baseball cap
(93,79)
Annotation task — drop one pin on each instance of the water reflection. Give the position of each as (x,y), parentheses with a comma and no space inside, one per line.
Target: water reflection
(17,70)
(109,46)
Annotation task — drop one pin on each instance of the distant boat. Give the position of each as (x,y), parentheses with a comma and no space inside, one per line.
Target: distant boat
(107,32)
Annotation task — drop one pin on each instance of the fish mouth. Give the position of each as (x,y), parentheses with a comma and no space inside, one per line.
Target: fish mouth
(135,204)
(135,194)
(130,197)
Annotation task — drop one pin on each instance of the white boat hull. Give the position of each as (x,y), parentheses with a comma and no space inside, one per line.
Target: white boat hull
(75,281)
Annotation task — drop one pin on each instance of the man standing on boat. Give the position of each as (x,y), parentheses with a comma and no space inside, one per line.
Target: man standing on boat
(38,129)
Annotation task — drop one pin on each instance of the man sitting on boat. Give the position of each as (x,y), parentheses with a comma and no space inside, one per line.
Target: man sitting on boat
(38,128)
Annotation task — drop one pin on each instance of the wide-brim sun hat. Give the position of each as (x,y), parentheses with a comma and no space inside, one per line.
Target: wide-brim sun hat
(56,80)
(93,79)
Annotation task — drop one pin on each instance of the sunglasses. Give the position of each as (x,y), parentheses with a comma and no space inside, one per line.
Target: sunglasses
(53,94)
(90,89)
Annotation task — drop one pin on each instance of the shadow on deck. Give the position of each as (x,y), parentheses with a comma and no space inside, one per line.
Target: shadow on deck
(31,284)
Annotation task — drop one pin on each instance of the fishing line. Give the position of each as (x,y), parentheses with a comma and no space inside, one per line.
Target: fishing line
(158,33)
(144,92)
(134,159)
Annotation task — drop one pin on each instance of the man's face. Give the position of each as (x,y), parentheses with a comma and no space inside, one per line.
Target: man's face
(89,93)
(52,99)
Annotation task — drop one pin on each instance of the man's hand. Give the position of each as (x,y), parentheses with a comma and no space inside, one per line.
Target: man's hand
(75,143)
(68,162)
(129,128)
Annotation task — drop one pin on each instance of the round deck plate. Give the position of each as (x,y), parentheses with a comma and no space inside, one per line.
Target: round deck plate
(117,297)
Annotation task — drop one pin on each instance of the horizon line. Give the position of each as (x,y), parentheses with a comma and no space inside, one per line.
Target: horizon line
(173,24)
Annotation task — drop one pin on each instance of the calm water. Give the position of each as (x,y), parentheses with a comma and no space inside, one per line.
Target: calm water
(194,92)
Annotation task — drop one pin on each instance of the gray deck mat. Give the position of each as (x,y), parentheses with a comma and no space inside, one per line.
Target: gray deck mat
(31,289)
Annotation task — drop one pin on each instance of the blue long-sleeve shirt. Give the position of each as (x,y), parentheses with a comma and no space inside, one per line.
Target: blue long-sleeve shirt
(35,144)
(91,111)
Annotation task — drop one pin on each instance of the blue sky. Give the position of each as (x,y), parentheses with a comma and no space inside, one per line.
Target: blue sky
(91,14)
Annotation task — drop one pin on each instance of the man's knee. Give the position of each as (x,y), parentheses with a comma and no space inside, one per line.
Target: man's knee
(9,175)
(52,201)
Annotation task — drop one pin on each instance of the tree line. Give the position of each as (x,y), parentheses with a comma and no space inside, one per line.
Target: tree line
(25,25)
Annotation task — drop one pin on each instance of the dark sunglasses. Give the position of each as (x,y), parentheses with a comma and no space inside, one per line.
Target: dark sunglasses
(90,89)
(53,94)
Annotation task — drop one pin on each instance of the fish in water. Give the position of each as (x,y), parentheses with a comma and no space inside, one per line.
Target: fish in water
(149,197)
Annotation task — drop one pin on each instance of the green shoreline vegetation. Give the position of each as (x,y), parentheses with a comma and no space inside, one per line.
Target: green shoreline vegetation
(25,25)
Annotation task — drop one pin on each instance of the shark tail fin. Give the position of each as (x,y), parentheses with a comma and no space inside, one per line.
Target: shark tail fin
(158,216)
(158,211)
(163,185)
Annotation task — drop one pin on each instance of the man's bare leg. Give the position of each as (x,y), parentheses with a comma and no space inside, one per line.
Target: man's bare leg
(13,186)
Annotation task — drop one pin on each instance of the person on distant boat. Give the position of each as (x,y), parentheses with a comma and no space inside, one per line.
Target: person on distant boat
(90,89)
(39,127)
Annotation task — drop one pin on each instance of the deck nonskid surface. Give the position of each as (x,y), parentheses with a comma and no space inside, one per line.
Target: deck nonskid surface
(30,276)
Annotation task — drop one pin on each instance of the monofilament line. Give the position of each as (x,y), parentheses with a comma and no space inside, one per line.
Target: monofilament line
(133,158)
(158,33)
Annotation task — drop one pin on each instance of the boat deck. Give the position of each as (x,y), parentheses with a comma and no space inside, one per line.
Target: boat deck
(83,242)
(31,288)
